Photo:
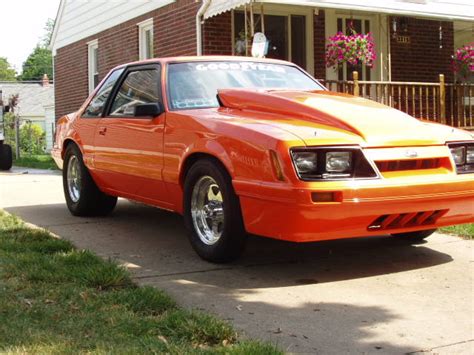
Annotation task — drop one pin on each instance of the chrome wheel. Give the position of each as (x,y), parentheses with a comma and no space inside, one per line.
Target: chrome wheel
(74,179)
(207,210)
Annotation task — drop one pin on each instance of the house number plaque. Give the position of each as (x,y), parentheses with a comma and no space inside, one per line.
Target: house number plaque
(404,39)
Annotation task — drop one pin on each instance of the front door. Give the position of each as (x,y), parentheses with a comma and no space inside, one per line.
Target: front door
(91,117)
(129,149)
(286,35)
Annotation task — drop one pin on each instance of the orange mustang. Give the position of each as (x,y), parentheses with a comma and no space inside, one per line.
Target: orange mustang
(241,145)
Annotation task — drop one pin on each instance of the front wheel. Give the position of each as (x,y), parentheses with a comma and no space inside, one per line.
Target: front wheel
(212,213)
(83,197)
(415,236)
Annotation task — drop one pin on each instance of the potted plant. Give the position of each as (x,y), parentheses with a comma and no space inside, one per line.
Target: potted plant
(463,63)
(355,49)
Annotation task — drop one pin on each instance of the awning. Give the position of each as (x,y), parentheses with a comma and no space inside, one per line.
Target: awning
(442,9)
(217,7)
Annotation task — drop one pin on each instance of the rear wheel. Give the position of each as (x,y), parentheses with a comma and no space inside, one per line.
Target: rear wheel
(212,213)
(83,197)
(415,236)
(6,157)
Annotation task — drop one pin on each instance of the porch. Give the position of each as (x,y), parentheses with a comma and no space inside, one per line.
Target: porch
(446,103)
(414,43)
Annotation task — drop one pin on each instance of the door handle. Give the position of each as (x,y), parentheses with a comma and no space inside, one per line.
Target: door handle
(102,131)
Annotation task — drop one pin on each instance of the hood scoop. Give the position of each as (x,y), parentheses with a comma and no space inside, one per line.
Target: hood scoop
(268,102)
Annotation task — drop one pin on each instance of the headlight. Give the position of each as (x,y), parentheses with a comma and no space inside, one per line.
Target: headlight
(458,155)
(338,162)
(470,154)
(306,162)
(463,156)
(331,163)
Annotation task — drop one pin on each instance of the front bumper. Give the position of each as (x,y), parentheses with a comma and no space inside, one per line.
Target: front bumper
(289,213)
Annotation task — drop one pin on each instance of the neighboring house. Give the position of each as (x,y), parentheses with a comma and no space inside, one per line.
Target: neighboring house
(35,103)
(415,39)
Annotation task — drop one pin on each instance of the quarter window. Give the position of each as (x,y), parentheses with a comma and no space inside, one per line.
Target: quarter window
(140,87)
(96,106)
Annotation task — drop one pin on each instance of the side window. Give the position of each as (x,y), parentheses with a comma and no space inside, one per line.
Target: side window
(140,87)
(96,106)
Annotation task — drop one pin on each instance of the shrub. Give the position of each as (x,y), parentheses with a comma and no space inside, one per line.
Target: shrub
(32,139)
(32,136)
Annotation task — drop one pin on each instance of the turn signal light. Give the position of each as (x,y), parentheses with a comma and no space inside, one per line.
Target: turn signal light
(326,196)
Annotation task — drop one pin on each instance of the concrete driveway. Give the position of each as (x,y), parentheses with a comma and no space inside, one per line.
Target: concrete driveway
(369,295)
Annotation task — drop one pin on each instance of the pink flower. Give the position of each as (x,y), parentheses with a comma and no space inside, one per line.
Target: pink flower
(353,49)
(463,60)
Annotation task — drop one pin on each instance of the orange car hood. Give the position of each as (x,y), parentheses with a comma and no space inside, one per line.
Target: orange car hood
(376,124)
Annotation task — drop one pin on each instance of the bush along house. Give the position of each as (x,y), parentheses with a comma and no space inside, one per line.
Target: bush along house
(415,55)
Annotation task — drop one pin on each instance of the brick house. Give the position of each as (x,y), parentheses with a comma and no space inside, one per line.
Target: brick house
(414,38)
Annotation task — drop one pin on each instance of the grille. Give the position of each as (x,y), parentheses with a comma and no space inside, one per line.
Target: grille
(412,164)
(403,220)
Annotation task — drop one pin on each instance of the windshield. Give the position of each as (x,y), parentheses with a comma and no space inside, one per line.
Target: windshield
(194,85)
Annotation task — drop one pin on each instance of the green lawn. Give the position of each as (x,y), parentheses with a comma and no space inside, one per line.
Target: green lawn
(462,230)
(55,299)
(36,161)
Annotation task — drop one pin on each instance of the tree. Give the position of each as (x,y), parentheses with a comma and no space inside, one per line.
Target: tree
(40,61)
(48,28)
(37,64)
(7,73)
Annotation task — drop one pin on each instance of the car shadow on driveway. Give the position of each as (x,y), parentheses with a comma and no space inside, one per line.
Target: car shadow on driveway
(153,243)
(328,297)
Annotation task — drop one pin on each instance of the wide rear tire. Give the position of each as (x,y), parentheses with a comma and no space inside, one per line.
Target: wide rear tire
(6,157)
(212,213)
(83,197)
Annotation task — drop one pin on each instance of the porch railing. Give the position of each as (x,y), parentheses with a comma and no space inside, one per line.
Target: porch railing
(451,104)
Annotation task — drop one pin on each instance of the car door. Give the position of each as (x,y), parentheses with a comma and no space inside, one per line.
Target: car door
(92,114)
(129,148)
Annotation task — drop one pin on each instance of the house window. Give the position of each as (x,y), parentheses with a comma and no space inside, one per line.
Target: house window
(349,26)
(93,54)
(145,39)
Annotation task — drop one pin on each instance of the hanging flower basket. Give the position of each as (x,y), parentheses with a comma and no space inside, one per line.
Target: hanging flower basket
(354,49)
(463,62)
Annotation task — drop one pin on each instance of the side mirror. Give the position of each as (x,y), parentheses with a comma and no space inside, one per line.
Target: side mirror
(149,110)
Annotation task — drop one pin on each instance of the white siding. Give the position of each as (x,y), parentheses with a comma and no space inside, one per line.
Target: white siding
(78,19)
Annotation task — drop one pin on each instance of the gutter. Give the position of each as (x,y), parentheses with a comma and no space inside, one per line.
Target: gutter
(199,15)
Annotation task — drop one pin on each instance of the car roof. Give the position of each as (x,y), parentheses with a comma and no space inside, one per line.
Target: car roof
(205,58)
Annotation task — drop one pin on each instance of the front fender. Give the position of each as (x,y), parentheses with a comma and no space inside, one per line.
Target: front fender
(205,147)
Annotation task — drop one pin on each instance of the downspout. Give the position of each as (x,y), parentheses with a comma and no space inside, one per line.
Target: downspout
(389,49)
(199,15)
